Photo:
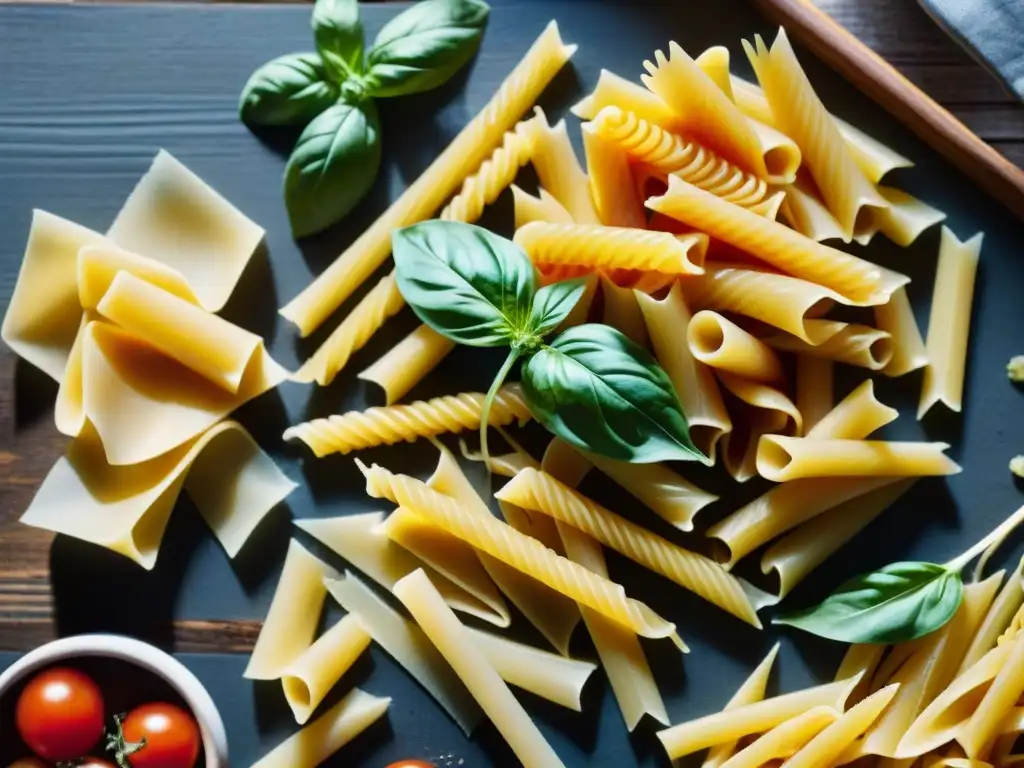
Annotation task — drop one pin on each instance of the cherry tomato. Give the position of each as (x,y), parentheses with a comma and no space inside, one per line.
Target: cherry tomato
(412,764)
(60,714)
(28,762)
(170,733)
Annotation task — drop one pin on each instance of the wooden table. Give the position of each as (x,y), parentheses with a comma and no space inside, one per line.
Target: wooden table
(29,443)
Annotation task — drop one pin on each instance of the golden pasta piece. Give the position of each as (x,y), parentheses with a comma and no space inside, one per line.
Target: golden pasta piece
(860,282)
(356,430)
(860,659)
(535,490)
(559,169)
(720,343)
(815,388)
(615,91)
(858,415)
(1000,698)
(897,319)
(950,322)
(906,217)
(996,621)
(714,62)
(620,310)
(804,211)
(616,197)
(408,362)
(613,247)
(98,265)
(422,198)
(827,746)
(848,343)
(767,411)
(785,739)
(543,208)
(781,459)
(522,552)
(759,395)
(799,113)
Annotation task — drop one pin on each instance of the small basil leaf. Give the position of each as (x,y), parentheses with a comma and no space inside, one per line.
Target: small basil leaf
(466,283)
(339,37)
(425,45)
(553,303)
(601,392)
(332,166)
(289,90)
(899,602)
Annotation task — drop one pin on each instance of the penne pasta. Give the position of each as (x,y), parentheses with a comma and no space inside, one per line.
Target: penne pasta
(785,739)
(814,388)
(860,659)
(408,362)
(764,397)
(720,343)
(949,323)
(897,319)
(848,343)
(543,208)
(559,169)
(781,459)
(906,217)
(613,90)
(760,410)
(804,211)
(858,415)
(620,309)
(611,182)
(998,618)
(985,722)
(830,743)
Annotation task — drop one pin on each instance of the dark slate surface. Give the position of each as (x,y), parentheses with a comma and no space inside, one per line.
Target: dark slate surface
(87,97)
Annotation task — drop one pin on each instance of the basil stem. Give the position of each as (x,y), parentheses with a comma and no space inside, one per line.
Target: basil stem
(485,411)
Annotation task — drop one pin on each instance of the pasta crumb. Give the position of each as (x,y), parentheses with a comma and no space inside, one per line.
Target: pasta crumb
(1017,466)
(1015,368)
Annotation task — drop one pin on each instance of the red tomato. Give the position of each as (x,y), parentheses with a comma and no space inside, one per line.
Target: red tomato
(60,714)
(159,735)
(412,764)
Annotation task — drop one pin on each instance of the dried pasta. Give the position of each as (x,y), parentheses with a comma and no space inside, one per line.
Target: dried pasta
(613,90)
(828,745)
(814,388)
(543,208)
(906,217)
(717,341)
(616,198)
(422,198)
(998,618)
(985,722)
(559,169)
(897,319)
(392,424)
(620,309)
(858,415)
(804,211)
(790,458)
(408,362)
(785,739)
(949,323)
(848,343)
(766,411)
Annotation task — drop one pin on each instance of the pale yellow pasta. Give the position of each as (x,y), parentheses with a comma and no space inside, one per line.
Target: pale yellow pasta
(906,217)
(785,739)
(335,728)
(848,343)
(293,617)
(98,265)
(804,211)
(471,665)
(780,301)
(714,62)
(999,700)
(538,491)
(860,659)
(615,196)
(423,197)
(799,113)
(759,395)
(408,362)
(717,341)
(998,618)
(522,552)
(405,642)
(949,323)
(733,724)
(693,381)
(858,415)
(859,282)
(614,90)
(620,309)
(308,679)
(896,318)
(543,208)
(782,459)
(764,410)
(828,745)
(752,690)
(356,430)
(612,247)
(559,169)
(814,388)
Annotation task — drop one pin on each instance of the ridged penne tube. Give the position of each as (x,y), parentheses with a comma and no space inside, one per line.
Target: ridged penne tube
(807,214)
(950,322)
(762,410)
(764,397)
(535,490)
(616,198)
(543,208)
(860,282)
(670,154)
(799,113)
(382,302)
(780,301)
(999,700)
(390,424)
(860,659)
(440,180)
(720,343)
(407,363)
(693,381)
(731,725)
(781,459)
(620,310)
(906,217)
(814,388)
(522,552)
(752,690)
(858,415)
(613,90)
(559,169)
(998,618)
(785,739)
(493,176)
(613,247)
(896,317)
(827,746)
(848,343)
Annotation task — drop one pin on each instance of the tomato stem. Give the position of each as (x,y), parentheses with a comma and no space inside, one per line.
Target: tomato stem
(121,747)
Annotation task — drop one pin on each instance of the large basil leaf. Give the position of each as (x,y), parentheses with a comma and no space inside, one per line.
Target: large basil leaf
(332,166)
(601,392)
(289,90)
(339,37)
(425,45)
(553,303)
(899,602)
(466,283)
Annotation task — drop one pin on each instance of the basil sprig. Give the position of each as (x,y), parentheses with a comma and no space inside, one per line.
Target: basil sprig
(330,95)
(591,386)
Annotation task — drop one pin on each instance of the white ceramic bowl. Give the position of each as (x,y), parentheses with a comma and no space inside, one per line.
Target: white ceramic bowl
(144,655)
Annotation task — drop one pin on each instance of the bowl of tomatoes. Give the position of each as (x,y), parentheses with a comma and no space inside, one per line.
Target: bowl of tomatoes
(107,701)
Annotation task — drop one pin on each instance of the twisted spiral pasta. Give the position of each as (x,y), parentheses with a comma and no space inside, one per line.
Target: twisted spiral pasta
(536,490)
(613,247)
(522,552)
(391,424)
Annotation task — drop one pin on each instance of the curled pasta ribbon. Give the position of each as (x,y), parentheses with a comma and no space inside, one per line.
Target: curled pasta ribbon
(613,247)
(518,550)
(391,424)
(669,153)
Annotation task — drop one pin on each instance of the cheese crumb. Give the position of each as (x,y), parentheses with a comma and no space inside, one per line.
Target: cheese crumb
(1017,466)
(1015,368)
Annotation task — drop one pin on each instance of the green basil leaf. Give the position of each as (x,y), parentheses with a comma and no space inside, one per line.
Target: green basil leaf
(425,45)
(332,166)
(466,283)
(289,90)
(601,392)
(899,602)
(339,37)
(553,303)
